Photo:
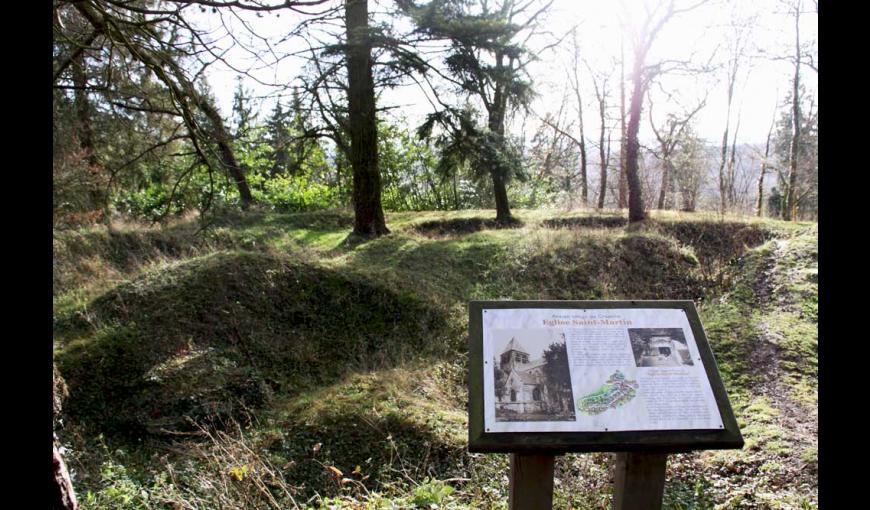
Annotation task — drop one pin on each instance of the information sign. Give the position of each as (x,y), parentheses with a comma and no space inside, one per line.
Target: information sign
(561,376)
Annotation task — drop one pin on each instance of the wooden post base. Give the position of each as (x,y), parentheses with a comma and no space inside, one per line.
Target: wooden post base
(639,481)
(531,482)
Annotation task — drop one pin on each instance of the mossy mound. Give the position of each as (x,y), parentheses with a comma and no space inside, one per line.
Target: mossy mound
(376,428)
(717,241)
(460,226)
(586,222)
(82,256)
(217,334)
(630,266)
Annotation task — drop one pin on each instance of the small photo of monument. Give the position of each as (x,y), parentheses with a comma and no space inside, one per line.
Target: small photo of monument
(532,378)
(659,347)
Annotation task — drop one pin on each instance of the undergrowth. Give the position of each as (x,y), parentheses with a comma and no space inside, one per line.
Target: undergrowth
(271,361)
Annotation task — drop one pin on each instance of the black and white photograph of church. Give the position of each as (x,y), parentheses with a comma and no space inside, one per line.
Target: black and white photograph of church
(532,378)
(659,347)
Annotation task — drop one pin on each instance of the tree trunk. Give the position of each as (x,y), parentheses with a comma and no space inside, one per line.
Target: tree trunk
(502,209)
(790,210)
(723,178)
(666,177)
(83,111)
(623,149)
(635,200)
(496,125)
(338,180)
(362,123)
(759,206)
(583,183)
(732,166)
(499,188)
(99,197)
(225,151)
(723,185)
(688,202)
(760,202)
(62,494)
(455,192)
(602,190)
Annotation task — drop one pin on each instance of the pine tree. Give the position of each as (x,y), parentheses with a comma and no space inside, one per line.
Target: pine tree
(487,59)
(243,112)
(279,139)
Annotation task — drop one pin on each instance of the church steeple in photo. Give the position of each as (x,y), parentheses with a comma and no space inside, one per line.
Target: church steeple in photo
(513,354)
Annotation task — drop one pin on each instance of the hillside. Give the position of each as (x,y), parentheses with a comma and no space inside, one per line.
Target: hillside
(271,361)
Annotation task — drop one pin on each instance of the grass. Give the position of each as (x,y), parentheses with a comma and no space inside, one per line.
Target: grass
(341,356)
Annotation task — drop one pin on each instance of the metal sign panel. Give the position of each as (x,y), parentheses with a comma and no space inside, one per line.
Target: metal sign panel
(575,376)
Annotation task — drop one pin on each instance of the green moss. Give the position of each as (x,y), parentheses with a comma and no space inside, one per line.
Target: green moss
(731,329)
(760,428)
(810,455)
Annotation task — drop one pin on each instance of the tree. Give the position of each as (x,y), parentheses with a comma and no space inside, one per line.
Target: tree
(622,195)
(805,158)
(764,168)
(668,138)
(78,166)
(246,132)
(407,167)
(556,155)
(243,112)
(343,75)
(62,493)
(574,80)
(557,376)
(731,174)
(289,137)
(688,164)
(599,83)
(278,136)
(487,61)
(362,123)
(85,133)
(738,40)
(791,197)
(130,27)
(466,145)
(603,149)
(500,379)
(774,203)
(641,75)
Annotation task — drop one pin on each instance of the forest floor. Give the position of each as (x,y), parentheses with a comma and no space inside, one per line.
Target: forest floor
(274,361)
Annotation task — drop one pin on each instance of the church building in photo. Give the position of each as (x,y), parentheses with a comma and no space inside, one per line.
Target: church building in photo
(525,391)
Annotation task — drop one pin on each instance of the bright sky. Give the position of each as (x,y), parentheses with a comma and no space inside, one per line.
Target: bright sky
(694,35)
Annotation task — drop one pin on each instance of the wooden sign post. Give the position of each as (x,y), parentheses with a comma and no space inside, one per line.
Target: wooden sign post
(639,481)
(637,378)
(531,482)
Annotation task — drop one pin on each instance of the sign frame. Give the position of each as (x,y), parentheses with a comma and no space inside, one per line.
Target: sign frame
(555,443)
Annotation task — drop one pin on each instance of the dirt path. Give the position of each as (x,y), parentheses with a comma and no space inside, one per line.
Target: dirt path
(797,419)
